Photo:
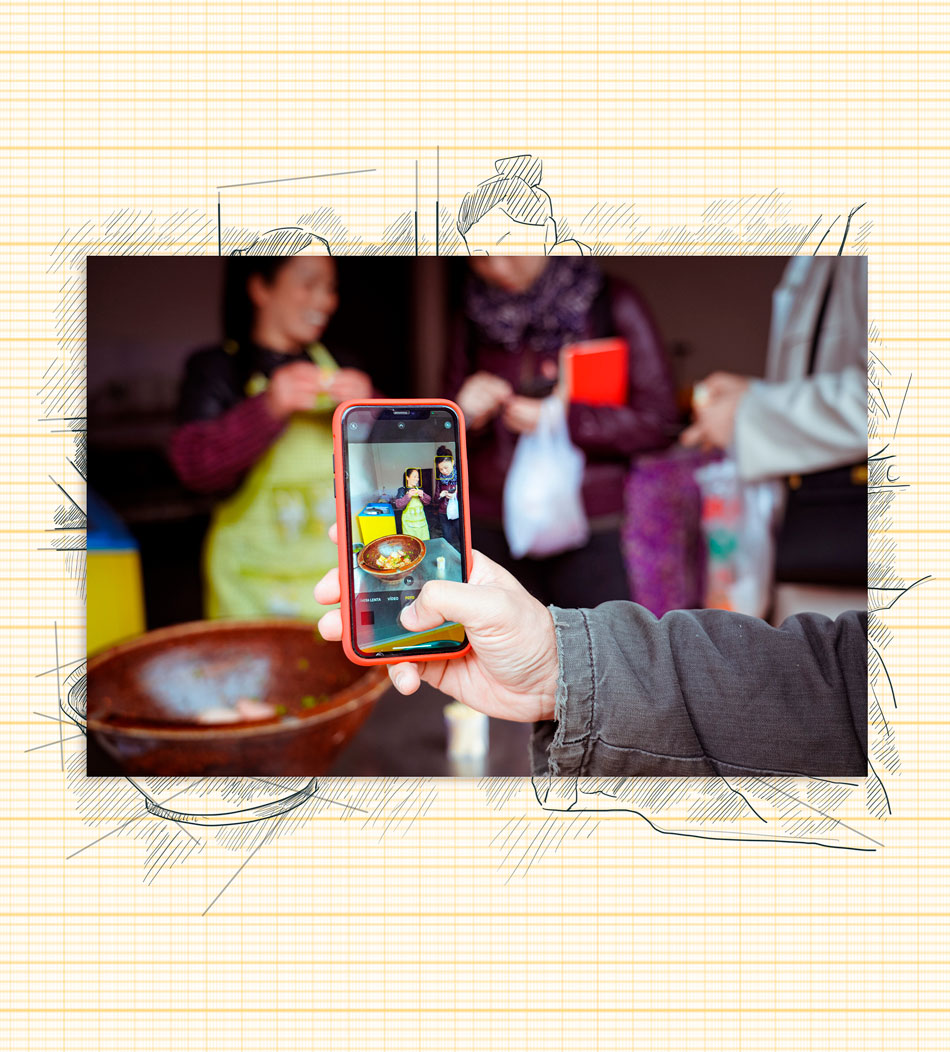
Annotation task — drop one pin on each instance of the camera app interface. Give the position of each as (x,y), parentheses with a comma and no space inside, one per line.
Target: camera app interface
(405,521)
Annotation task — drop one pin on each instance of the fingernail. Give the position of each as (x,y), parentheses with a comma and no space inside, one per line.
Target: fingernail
(401,680)
(407,615)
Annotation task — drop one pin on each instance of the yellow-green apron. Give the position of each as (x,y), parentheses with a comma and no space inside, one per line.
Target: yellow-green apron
(414,520)
(268,545)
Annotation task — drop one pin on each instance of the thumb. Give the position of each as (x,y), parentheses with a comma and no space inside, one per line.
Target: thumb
(692,436)
(473,606)
(717,381)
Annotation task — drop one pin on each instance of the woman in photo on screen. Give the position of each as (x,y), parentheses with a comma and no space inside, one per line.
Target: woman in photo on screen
(445,495)
(410,501)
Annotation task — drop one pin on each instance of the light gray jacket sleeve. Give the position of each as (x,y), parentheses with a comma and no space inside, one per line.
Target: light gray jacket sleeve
(799,426)
(705,692)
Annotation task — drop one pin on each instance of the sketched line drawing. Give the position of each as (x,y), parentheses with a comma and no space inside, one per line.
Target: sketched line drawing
(751,225)
(448,241)
(511,206)
(399,238)
(198,801)
(245,238)
(160,813)
(321,231)
(709,809)
(70,521)
(325,235)
(176,819)
(68,517)
(803,811)
(607,225)
(286,241)
(312,234)
(812,812)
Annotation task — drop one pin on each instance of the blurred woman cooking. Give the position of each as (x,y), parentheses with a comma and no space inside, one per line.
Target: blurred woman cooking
(517,314)
(255,418)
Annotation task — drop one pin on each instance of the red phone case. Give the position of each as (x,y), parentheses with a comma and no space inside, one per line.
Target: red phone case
(342,548)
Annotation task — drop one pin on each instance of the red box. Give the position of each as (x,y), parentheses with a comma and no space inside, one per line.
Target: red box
(596,371)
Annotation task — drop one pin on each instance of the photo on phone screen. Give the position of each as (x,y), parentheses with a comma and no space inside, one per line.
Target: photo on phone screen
(405,522)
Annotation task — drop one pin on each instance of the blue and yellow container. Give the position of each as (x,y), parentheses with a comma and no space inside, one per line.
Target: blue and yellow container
(115,604)
(376,520)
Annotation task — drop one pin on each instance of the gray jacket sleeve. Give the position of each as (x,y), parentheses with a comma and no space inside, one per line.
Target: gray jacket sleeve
(705,692)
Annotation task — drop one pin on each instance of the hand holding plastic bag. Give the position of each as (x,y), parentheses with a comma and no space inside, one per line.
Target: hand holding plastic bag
(738,522)
(543,510)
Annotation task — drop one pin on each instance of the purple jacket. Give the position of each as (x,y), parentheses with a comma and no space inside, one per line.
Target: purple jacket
(439,486)
(608,435)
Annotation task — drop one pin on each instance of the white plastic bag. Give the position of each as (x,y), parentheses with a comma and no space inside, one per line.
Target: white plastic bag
(543,509)
(738,521)
(452,507)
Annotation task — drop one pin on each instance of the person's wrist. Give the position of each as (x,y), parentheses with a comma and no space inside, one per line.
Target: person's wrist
(548,691)
(273,405)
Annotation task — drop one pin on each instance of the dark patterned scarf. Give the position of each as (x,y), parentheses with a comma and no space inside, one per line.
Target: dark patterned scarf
(551,313)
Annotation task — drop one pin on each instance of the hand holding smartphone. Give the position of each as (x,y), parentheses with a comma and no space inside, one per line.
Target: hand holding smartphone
(400,480)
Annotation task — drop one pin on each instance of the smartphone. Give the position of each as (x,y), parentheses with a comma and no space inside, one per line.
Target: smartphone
(401,488)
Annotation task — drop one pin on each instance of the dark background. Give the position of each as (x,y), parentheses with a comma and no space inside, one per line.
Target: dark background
(145,315)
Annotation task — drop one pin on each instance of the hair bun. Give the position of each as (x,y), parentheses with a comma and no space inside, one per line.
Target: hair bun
(520,166)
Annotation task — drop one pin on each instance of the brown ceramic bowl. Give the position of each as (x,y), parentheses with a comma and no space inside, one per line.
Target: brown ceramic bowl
(394,544)
(145,699)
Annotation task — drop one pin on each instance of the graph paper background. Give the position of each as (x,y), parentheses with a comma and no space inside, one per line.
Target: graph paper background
(435,915)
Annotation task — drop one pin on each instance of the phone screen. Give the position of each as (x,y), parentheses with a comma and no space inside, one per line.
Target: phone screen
(403,480)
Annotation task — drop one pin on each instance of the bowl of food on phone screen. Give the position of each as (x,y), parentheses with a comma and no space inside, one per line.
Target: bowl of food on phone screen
(391,558)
